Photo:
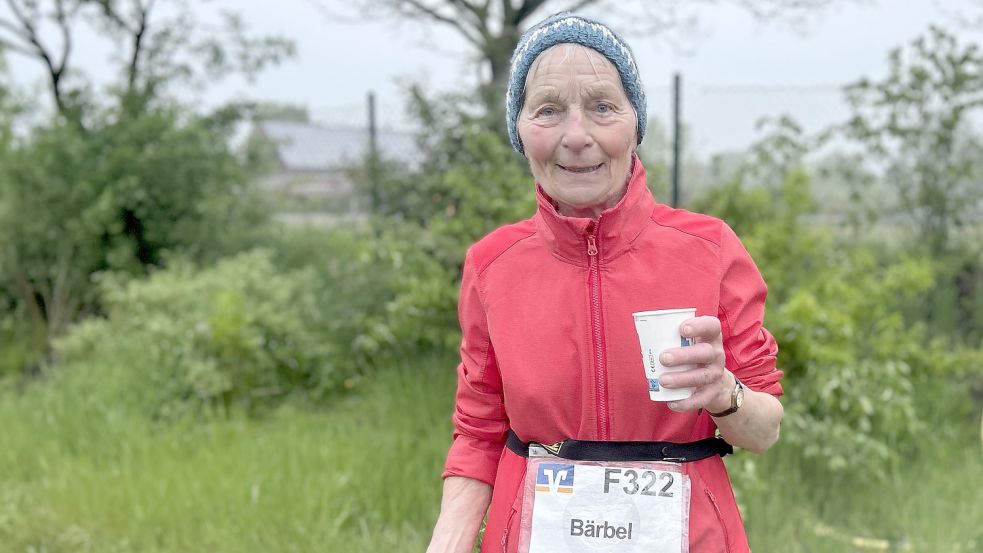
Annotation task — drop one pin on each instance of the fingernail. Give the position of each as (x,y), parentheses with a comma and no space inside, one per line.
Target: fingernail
(666,358)
(665,383)
(674,406)
(687,330)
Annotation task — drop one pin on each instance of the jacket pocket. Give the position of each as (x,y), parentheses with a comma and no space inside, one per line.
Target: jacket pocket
(720,518)
(508,530)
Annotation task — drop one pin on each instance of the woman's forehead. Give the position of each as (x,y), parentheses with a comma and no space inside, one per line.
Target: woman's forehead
(565,59)
(567,56)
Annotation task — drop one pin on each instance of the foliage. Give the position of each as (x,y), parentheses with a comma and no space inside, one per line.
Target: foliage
(363,474)
(918,121)
(356,272)
(79,473)
(116,197)
(155,46)
(855,365)
(917,128)
(116,180)
(18,354)
(469,182)
(195,340)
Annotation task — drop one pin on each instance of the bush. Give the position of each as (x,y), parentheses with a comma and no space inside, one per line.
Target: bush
(862,380)
(117,196)
(239,333)
(469,182)
(356,271)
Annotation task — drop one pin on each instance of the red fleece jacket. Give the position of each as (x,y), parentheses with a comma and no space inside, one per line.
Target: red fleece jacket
(549,346)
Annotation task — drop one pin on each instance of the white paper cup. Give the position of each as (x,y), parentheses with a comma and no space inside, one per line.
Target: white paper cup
(658,331)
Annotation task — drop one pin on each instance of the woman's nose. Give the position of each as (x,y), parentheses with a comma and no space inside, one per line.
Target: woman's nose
(576,135)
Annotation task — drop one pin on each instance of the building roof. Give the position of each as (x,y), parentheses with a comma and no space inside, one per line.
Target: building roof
(311,147)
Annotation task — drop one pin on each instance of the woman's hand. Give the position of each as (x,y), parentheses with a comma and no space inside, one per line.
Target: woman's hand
(755,426)
(713,384)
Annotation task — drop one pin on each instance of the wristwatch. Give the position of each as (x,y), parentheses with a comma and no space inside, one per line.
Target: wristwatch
(736,400)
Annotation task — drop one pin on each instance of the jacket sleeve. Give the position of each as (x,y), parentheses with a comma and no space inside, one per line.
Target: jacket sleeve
(750,349)
(480,423)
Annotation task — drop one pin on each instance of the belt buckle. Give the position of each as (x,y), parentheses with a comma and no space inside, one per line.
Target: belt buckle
(544,450)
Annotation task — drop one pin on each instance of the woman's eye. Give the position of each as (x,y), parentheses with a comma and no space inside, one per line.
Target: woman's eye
(603,108)
(547,111)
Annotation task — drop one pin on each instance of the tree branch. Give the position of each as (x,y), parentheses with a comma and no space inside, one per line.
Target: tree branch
(4,24)
(114,16)
(576,6)
(66,35)
(31,36)
(480,14)
(143,15)
(508,11)
(526,9)
(432,13)
(6,45)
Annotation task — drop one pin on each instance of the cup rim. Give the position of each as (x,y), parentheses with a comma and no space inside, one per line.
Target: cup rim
(661,312)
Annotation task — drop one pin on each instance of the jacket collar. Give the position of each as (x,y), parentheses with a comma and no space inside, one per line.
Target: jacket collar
(614,231)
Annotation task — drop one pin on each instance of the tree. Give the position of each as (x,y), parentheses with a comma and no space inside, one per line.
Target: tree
(156,50)
(116,197)
(917,122)
(120,183)
(492,28)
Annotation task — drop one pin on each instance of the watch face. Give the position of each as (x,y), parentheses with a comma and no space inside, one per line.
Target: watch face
(739,396)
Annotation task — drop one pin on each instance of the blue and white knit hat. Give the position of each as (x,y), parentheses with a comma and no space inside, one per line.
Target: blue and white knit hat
(566,27)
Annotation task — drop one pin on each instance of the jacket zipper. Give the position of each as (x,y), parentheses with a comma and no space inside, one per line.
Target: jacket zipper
(595,307)
(720,518)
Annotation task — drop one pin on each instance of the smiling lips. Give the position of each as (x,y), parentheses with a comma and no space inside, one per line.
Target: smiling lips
(581,169)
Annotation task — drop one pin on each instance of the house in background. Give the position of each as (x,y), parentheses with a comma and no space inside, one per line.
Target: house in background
(311,174)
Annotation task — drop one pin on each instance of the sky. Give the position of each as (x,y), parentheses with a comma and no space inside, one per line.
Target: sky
(735,69)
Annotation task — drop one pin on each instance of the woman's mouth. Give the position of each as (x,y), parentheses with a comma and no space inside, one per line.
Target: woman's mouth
(580,169)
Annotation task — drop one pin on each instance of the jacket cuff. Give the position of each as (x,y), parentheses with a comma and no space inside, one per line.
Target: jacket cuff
(472,458)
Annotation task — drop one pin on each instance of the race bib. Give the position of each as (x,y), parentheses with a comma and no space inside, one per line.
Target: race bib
(604,506)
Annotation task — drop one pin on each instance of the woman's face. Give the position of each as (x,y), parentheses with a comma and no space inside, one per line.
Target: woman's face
(578,129)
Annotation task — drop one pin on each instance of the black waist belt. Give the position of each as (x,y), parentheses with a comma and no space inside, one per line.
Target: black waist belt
(581,450)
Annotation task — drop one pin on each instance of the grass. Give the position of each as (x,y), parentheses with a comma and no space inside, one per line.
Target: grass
(363,475)
(80,473)
(930,503)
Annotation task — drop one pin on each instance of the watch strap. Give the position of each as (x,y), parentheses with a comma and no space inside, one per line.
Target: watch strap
(733,400)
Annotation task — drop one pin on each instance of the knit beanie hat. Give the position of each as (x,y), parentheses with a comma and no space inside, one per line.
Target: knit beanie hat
(566,27)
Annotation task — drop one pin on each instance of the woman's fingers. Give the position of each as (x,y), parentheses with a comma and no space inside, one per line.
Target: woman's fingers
(693,378)
(699,400)
(706,355)
(711,386)
(704,328)
(697,354)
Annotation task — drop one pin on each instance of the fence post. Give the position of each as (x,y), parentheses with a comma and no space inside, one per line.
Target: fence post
(677,138)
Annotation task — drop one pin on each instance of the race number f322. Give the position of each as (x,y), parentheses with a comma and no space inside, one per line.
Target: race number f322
(646,482)
(604,506)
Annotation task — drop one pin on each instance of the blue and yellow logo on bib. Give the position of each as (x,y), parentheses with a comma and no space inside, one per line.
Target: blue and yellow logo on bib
(554,478)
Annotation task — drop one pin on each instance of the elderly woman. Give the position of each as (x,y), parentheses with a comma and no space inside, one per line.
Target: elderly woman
(556,437)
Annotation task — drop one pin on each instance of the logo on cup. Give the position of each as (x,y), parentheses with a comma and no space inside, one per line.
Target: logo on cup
(683,342)
(651,359)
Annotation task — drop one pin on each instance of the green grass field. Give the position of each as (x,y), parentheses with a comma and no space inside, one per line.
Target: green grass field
(361,476)
(80,474)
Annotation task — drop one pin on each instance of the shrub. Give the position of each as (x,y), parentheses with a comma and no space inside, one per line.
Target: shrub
(861,378)
(117,196)
(240,333)
(469,182)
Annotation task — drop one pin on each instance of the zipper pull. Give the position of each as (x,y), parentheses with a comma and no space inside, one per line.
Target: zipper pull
(591,245)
